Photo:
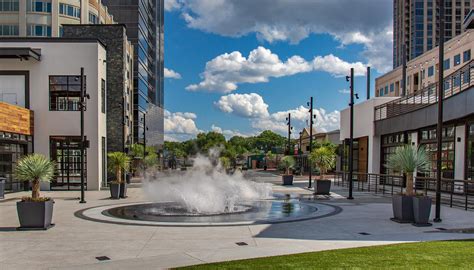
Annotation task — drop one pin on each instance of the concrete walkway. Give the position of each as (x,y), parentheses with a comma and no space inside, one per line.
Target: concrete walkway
(75,243)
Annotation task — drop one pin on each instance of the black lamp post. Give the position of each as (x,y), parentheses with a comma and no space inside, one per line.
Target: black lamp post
(82,106)
(311,122)
(288,119)
(351,132)
(439,128)
(145,128)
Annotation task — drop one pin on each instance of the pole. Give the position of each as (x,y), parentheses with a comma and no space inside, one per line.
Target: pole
(82,107)
(144,140)
(310,138)
(289,134)
(368,83)
(404,69)
(351,138)
(439,128)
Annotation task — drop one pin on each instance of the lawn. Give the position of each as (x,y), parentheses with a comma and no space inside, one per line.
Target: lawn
(426,255)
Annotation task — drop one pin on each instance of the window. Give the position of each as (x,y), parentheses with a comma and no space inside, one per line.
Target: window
(428,140)
(39,6)
(69,10)
(102,95)
(8,30)
(381,92)
(457,59)
(392,88)
(430,71)
(466,56)
(64,93)
(386,90)
(93,19)
(38,30)
(447,63)
(9,5)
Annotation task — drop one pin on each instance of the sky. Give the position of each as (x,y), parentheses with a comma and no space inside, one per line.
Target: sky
(240,66)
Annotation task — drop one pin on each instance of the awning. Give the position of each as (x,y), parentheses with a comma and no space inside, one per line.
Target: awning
(24,53)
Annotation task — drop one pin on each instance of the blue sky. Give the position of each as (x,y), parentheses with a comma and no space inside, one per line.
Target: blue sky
(213,84)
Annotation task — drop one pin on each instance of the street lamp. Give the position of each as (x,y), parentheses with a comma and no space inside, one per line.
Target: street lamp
(300,153)
(439,128)
(311,122)
(145,128)
(288,119)
(82,106)
(351,131)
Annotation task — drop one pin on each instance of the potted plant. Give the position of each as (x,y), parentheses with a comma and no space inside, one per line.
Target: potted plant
(118,162)
(35,212)
(410,207)
(288,163)
(323,158)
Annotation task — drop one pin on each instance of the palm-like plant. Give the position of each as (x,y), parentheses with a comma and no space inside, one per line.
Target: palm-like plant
(288,162)
(408,159)
(35,168)
(324,158)
(118,162)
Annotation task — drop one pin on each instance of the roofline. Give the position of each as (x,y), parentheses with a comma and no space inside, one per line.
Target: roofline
(104,24)
(52,40)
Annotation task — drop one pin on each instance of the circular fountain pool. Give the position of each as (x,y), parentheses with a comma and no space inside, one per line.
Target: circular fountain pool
(172,214)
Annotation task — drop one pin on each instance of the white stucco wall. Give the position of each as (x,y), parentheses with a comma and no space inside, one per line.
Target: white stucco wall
(65,58)
(364,127)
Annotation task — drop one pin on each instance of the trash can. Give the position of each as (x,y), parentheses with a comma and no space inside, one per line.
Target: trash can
(128,178)
(2,187)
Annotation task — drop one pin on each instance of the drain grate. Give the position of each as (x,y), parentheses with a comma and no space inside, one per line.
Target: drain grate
(442,229)
(364,233)
(241,244)
(103,258)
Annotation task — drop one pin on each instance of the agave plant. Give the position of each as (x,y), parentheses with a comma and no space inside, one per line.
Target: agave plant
(118,162)
(408,159)
(35,168)
(324,158)
(288,162)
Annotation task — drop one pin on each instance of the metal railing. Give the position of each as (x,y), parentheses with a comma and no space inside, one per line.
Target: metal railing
(456,82)
(454,193)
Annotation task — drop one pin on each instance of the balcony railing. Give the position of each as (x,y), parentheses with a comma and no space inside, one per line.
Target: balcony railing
(455,83)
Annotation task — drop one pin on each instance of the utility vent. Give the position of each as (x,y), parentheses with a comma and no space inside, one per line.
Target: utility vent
(241,244)
(364,233)
(103,258)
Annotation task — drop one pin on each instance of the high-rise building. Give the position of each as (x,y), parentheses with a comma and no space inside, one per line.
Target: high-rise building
(44,18)
(416,25)
(144,22)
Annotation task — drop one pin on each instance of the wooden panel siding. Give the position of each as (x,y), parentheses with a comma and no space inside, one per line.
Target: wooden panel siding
(16,119)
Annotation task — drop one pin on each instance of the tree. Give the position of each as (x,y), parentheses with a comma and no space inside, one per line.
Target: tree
(35,168)
(268,140)
(323,158)
(118,162)
(206,141)
(288,162)
(408,159)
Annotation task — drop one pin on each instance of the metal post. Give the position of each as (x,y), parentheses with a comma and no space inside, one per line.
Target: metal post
(300,152)
(351,138)
(439,128)
(289,133)
(404,69)
(144,140)
(82,107)
(368,83)
(310,138)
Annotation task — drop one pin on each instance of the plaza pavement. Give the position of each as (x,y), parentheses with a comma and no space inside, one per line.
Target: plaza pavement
(75,243)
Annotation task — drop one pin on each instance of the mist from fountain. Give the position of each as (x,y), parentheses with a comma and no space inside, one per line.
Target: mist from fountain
(206,188)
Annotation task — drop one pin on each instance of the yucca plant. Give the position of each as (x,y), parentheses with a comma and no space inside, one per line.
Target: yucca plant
(288,162)
(324,158)
(408,159)
(118,162)
(35,168)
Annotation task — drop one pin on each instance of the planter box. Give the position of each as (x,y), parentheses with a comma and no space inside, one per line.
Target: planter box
(322,187)
(2,188)
(422,210)
(287,180)
(402,208)
(114,190)
(123,190)
(35,215)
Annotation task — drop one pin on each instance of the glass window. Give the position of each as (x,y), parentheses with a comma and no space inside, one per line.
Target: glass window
(466,56)
(38,30)
(39,6)
(64,93)
(103,95)
(69,10)
(386,90)
(430,71)
(66,151)
(9,5)
(392,88)
(447,63)
(457,59)
(8,30)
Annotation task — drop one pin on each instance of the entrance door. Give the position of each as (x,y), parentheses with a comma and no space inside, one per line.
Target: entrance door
(67,154)
(363,158)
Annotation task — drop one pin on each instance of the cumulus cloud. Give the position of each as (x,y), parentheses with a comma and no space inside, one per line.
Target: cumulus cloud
(171,5)
(171,74)
(361,22)
(228,133)
(344,91)
(180,123)
(223,73)
(244,105)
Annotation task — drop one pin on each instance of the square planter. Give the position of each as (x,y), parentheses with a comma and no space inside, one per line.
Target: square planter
(287,180)
(422,210)
(35,215)
(322,187)
(402,208)
(114,190)
(123,190)
(2,188)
